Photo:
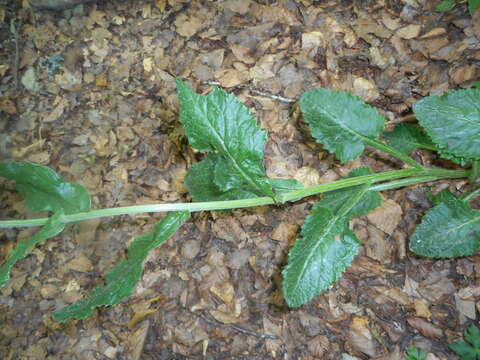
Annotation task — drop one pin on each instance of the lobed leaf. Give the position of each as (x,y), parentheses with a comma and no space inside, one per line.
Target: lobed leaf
(443,197)
(44,189)
(473,6)
(122,278)
(406,138)
(340,121)
(469,349)
(53,227)
(452,121)
(327,246)
(221,124)
(202,187)
(449,229)
(415,354)
(445,5)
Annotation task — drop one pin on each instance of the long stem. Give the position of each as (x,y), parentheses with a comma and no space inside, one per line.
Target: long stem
(475,171)
(471,196)
(389,150)
(415,176)
(426,146)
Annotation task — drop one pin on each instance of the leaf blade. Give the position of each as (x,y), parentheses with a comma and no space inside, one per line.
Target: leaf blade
(449,229)
(473,6)
(452,121)
(44,189)
(406,138)
(219,122)
(327,246)
(201,184)
(445,5)
(340,121)
(318,258)
(122,278)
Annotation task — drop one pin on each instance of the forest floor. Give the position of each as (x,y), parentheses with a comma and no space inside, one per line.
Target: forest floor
(90,92)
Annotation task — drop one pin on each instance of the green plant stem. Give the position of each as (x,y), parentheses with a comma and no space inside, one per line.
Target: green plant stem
(395,184)
(413,176)
(475,175)
(395,153)
(426,146)
(471,196)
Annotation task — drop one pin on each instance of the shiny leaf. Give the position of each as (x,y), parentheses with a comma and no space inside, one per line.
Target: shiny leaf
(340,121)
(452,121)
(449,229)
(406,138)
(202,187)
(44,189)
(327,246)
(220,123)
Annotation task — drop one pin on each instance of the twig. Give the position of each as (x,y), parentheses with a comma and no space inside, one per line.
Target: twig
(254,91)
(236,327)
(275,97)
(16,59)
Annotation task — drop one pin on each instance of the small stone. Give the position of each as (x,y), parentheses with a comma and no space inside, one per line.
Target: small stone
(190,249)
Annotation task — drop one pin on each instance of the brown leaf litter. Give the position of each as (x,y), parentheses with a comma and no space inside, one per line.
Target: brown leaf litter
(108,117)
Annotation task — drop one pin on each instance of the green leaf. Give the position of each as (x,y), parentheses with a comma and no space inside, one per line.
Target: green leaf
(319,258)
(281,185)
(476,84)
(469,350)
(334,200)
(202,187)
(415,354)
(452,121)
(53,227)
(472,335)
(449,229)
(460,160)
(340,121)
(473,5)
(445,5)
(327,246)
(122,278)
(443,197)
(220,123)
(44,189)
(406,138)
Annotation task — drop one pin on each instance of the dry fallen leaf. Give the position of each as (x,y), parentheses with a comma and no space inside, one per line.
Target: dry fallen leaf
(425,328)
(386,217)
(139,316)
(307,176)
(136,340)
(8,106)
(101,81)
(434,32)
(360,338)
(421,308)
(409,31)
(188,26)
(80,263)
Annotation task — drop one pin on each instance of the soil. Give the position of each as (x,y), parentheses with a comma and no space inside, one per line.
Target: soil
(90,92)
